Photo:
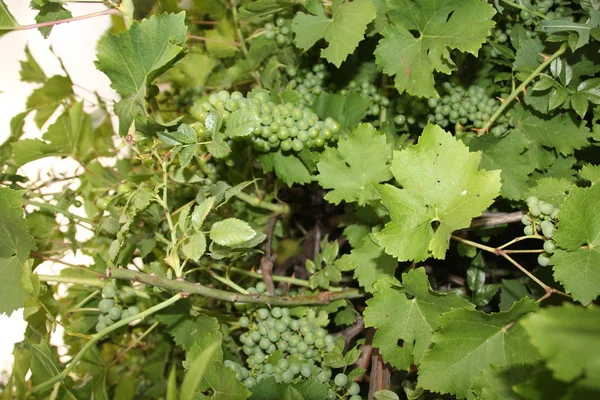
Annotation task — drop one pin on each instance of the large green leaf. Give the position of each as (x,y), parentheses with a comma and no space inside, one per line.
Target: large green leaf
(361,159)
(134,58)
(15,245)
(197,371)
(406,318)
(576,263)
(469,341)
(343,30)
(441,26)
(568,337)
(442,191)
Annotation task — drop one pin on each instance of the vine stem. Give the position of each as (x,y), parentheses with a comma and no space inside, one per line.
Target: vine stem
(520,88)
(54,209)
(71,279)
(503,253)
(164,204)
(520,7)
(134,343)
(108,11)
(95,338)
(276,278)
(257,202)
(189,288)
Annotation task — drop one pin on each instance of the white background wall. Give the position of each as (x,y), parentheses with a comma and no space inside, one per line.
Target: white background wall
(75,44)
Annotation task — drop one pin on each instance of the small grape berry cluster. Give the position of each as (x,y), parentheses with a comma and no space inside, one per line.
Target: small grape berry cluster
(541,218)
(289,349)
(110,311)
(280,31)
(182,98)
(307,82)
(367,89)
(284,126)
(466,107)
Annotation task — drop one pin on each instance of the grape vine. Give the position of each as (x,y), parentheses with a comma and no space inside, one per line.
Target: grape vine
(317,200)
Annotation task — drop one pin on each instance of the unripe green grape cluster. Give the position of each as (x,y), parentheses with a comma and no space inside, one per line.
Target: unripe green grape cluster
(111,307)
(307,82)
(285,126)
(471,106)
(289,349)
(411,111)
(541,219)
(280,30)
(378,101)
(182,98)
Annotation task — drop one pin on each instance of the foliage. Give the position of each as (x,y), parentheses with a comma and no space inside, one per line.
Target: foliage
(303,199)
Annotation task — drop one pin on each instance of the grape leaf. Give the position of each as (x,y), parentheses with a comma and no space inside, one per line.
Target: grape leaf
(441,26)
(31,70)
(551,190)
(568,337)
(590,173)
(577,267)
(441,185)
(369,262)
(7,21)
(71,135)
(15,245)
(496,383)
(419,315)
(44,362)
(134,58)
(559,131)
(269,389)
(231,231)
(347,110)
(469,341)
(49,10)
(288,167)
(506,154)
(343,31)
(361,158)
(46,99)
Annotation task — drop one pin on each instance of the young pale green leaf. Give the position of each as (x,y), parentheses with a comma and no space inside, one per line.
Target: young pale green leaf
(469,341)
(361,159)
(420,315)
(201,211)
(369,262)
(46,99)
(577,263)
(441,26)
(508,155)
(15,245)
(231,231)
(442,191)
(49,10)
(590,173)
(134,58)
(196,372)
(31,70)
(195,247)
(242,123)
(343,31)
(568,338)
(71,135)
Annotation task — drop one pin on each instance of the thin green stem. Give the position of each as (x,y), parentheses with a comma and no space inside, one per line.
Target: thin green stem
(54,209)
(257,202)
(520,7)
(88,298)
(82,268)
(63,21)
(518,239)
(135,342)
(75,280)
(95,338)
(182,286)
(238,31)
(276,278)
(228,282)
(513,95)
(474,244)
(163,202)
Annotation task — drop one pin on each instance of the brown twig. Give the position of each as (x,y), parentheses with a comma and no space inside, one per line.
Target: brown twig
(380,374)
(266,261)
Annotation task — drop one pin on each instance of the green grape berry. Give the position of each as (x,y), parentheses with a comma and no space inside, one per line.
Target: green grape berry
(109,291)
(105,305)
(341,380)
(549,246)
(114,313)
(353,389)
(543,259)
